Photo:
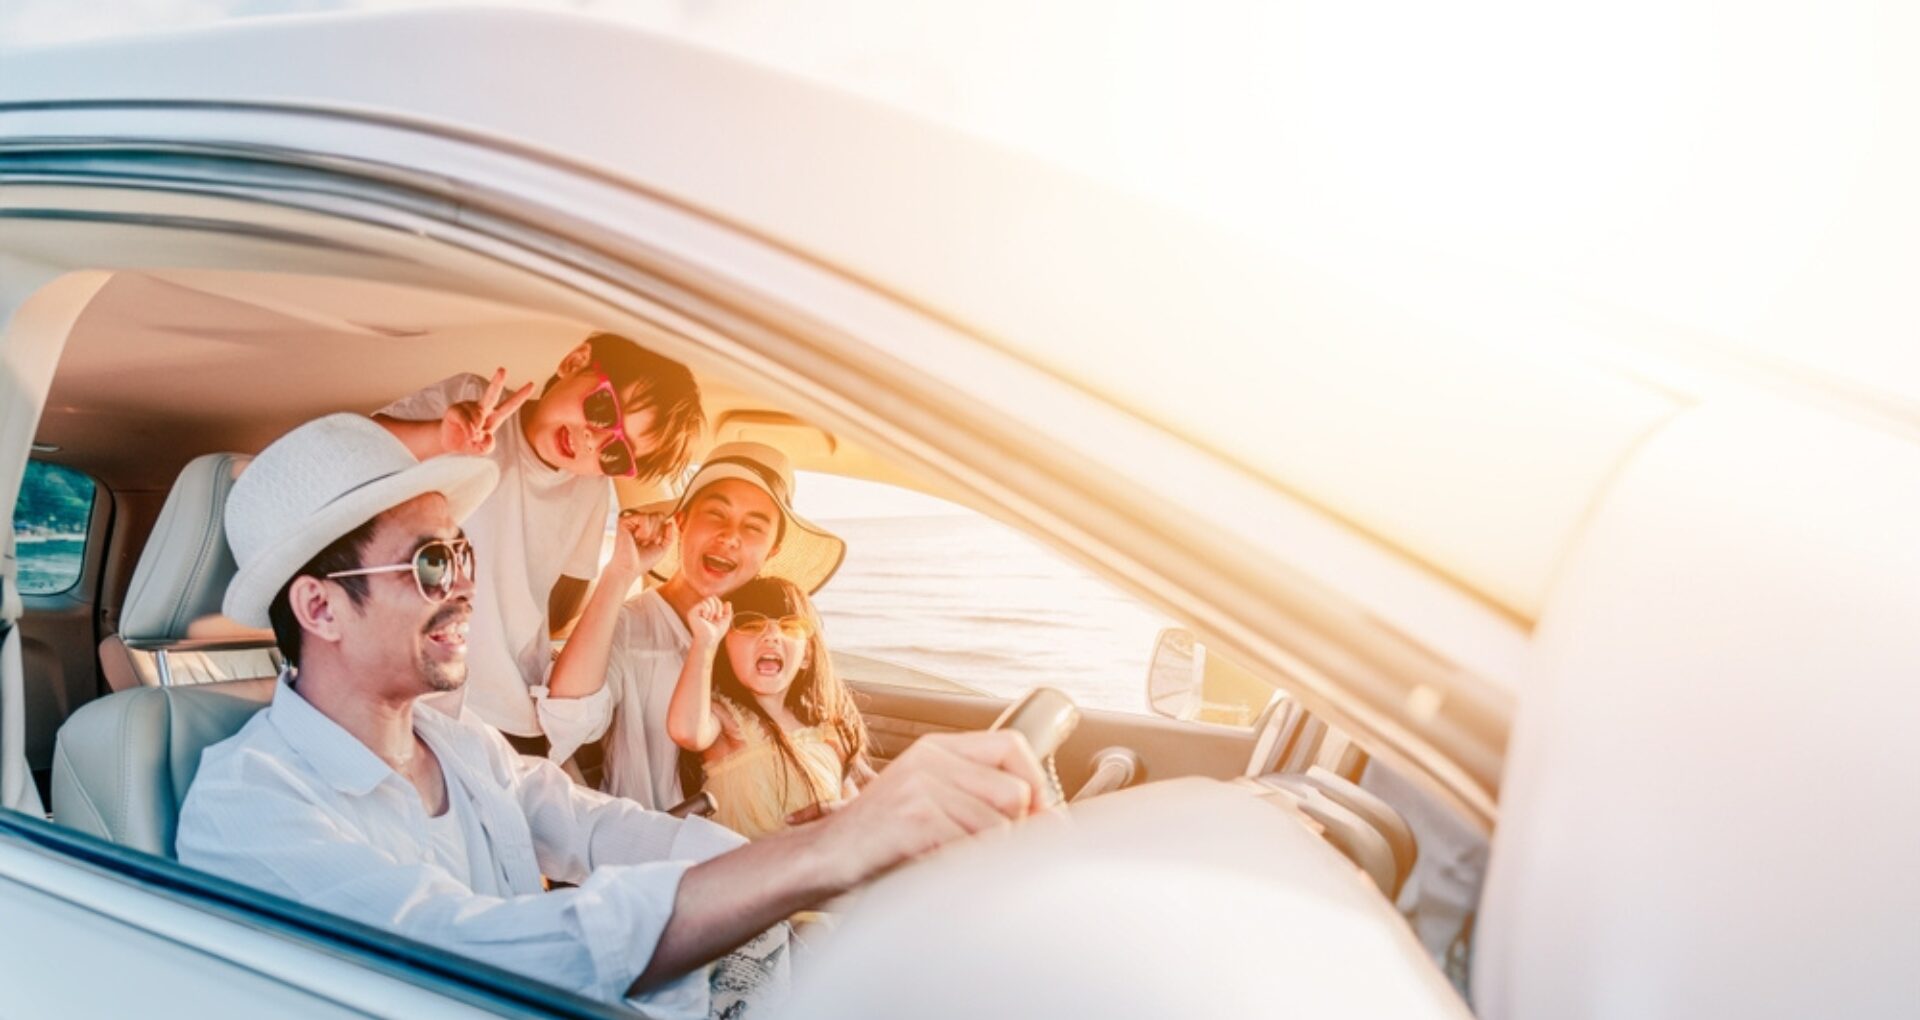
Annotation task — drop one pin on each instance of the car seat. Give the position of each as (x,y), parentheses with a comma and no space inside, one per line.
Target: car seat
(122,764)
(171,631)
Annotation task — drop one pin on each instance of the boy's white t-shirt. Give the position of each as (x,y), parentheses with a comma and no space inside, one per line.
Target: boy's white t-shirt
(540,523)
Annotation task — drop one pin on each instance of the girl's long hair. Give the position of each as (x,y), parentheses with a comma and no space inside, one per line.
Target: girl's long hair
(816,697)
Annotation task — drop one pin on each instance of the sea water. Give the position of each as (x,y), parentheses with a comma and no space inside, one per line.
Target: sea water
(971,600)
(49,565)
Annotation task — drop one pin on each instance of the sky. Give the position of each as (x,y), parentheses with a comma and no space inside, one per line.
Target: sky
(1742,171)
(823,497)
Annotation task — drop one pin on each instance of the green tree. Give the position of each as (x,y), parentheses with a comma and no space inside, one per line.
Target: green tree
(53,498)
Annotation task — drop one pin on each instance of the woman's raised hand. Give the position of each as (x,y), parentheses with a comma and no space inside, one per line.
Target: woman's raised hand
(650,536)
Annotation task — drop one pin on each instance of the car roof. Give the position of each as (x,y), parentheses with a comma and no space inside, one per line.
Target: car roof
(1399,422)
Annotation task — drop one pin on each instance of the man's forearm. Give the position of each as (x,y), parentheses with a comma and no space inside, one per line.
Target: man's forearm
(942,788)
(728,900)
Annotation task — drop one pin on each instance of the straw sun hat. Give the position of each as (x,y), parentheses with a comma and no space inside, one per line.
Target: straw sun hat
(808,554)
(320,481)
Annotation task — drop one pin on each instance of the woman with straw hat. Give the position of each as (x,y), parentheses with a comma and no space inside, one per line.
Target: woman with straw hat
(618,671)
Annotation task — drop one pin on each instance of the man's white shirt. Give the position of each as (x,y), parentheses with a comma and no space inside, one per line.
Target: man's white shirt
(448,834)
(295,805)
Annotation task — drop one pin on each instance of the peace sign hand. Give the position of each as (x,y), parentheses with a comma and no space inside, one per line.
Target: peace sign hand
(468,426)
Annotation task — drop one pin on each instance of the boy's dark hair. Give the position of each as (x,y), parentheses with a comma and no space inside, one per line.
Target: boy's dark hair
(342,554)
(647,380)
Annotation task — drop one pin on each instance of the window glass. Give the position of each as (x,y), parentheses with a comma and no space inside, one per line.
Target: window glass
(1187,680)
(50,527)
(934,594)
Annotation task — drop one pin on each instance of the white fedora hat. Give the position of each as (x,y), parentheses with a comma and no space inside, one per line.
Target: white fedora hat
(808,554)
(320,481)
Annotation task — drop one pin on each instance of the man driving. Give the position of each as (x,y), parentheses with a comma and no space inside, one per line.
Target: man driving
(345,795)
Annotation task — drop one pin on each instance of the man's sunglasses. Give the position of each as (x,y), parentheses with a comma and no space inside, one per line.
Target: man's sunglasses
(437,566)
(602,411)
(754,624)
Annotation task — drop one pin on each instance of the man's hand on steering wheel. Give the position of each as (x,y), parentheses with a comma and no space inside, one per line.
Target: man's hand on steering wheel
(945,787)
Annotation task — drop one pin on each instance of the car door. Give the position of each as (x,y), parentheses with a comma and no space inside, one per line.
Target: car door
(99,930)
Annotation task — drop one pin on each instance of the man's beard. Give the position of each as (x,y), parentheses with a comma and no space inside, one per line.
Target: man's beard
(441,677)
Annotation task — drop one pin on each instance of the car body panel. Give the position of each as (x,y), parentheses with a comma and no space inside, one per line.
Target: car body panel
(1024,256)
(67,924)
(1012,263)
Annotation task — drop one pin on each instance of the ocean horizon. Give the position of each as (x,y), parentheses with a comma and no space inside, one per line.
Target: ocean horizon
(974,601)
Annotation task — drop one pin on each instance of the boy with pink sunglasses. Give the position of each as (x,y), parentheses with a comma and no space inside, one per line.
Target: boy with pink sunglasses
(611,408)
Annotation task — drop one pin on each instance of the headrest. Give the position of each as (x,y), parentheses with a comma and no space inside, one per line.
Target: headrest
(183,572)
(122,764)
(1709,805)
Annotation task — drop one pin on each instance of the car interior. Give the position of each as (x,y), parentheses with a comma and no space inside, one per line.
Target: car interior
(170,379)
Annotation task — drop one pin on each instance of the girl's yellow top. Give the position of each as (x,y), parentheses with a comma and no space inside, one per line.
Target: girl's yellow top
(756,786)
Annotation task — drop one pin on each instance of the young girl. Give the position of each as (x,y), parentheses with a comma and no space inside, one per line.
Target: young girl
(761,720)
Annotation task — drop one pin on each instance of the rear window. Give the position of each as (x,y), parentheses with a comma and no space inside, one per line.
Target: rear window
(50,527)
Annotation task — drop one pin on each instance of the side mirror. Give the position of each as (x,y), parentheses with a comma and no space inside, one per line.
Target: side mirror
(1176,675)
(1185,683)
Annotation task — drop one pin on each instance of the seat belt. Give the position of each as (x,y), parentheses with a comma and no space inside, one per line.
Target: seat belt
(16,779)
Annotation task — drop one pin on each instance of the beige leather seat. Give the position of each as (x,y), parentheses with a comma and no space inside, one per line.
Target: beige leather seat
(171,630)
(121,765)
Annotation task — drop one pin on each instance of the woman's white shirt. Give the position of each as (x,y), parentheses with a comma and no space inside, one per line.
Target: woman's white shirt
(650,645)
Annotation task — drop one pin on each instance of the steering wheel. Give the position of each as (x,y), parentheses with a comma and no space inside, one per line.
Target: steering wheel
(1046,717)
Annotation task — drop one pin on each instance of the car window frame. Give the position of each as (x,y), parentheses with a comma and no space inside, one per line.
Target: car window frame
(468,981)
(706,291)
